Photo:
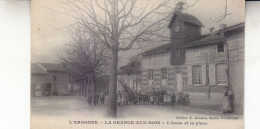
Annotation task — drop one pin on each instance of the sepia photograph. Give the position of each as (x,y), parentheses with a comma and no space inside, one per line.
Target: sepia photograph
(137,64)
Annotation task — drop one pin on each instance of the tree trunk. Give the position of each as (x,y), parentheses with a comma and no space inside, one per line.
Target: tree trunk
(94,75)
(93,89)
(85,87)
(112,103)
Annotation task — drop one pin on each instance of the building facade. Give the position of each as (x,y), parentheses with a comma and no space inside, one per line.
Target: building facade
(49,79)
(195,63)
(129,76)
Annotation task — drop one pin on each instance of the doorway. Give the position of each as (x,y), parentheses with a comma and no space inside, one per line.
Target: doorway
(179,82)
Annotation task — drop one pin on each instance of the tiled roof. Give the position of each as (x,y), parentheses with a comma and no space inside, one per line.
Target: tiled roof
(163,47)
(233,27)
(206,39)
(35,68)
(53,67)
(202,40)
(185,17)
(120,71)
(130,68)
(42,68)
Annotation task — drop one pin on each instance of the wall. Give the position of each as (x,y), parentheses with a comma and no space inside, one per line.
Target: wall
(207,57)
(191,32)
(62,81)
(236,46)
(37,80)
(156,60)
(203,54)
(131,80)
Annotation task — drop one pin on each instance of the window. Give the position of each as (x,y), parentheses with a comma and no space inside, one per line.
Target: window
(164,73)
(178,54)
(54,78)
(220,47)
(164,76)
(197,51)
(221,74)
(150,74)
(196,75)
(149,58)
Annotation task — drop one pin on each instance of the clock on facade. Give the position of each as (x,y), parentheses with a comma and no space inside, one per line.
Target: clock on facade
(177,28)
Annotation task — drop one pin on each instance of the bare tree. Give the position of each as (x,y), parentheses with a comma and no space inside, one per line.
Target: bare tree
(85,57)
(220,18)
(118,24)
(121,25)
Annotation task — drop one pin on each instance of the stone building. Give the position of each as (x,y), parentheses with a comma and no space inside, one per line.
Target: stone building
(61,79)
(196,63)
(129,75)
(49,79)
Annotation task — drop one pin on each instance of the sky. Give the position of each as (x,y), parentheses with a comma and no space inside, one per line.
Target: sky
(47,39)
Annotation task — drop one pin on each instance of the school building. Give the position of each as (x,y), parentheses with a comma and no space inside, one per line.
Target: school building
(195,63)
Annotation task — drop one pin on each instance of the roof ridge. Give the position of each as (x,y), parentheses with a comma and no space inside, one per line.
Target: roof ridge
(48,63)
(187,17)
(38,63)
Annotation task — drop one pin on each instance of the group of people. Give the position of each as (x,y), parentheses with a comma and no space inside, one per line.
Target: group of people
(97,97)
(183,99)
(159,97)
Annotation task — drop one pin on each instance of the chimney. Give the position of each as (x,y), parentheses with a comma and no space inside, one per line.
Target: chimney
(179,6)
(222,26)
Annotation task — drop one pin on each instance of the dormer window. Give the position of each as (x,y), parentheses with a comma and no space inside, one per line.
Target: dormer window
(220,47)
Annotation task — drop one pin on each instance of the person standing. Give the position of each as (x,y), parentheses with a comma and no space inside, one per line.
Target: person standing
(165,99)
(123,98)
(119,98)
(134,98)
(173,99)
(187,99)
(178,98)
(102,98)
(96,99)
(228,96)
(89,100)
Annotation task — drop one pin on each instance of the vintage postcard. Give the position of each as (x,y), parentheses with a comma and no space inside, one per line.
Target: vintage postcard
(137,64)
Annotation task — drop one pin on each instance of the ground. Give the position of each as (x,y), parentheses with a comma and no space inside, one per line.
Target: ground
(62,110)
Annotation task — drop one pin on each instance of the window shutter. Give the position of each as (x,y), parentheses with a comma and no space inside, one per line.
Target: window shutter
(203,74)
(145,77)
(189,73)
(212,77)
